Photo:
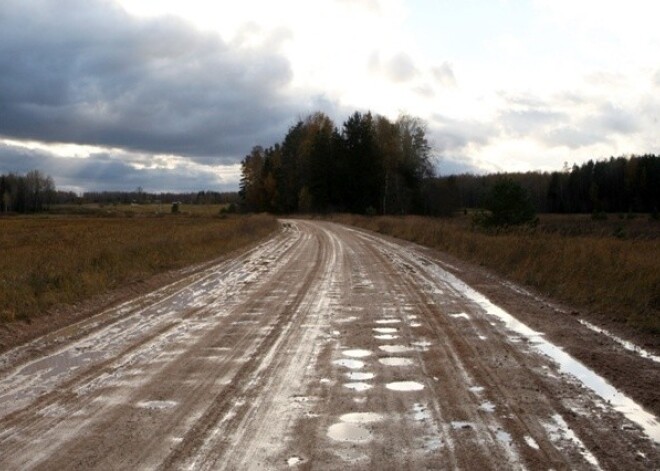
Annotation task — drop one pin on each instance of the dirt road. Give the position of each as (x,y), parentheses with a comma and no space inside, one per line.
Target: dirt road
(322,348)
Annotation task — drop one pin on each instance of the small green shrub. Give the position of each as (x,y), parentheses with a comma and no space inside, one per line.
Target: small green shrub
(507,204)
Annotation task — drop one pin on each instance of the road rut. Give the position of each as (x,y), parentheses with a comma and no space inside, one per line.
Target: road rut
(324,347)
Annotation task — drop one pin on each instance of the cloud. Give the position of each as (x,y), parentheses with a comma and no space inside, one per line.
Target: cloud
(371,5)
(444,75)
(103,171)
(570,136)
(526,122)
(450,136)
(424,90)
(569,119)
(609,119)
(397,68)
(599,126)
(456,165)
(85,71)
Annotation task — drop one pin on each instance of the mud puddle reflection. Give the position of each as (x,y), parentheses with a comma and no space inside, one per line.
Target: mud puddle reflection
(567,364)
(395,361)
(351,427)
(405,386)
(348,363)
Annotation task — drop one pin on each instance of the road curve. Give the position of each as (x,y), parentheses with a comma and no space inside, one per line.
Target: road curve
(322,348)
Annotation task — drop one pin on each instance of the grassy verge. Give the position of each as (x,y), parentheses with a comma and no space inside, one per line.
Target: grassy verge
(567,259)
(48,261)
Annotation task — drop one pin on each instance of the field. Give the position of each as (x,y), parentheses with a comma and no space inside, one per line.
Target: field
(132,210)
(53,259)
(610,268)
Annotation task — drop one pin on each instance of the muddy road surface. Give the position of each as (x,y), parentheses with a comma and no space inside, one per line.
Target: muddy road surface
(322,348)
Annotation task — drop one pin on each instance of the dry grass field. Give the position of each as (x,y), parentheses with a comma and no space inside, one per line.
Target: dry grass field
(50,260)
(611,268)
(133,210)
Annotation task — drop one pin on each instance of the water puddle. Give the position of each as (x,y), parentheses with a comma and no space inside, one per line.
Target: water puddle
(358,386)
(348,363)
(503,437)
(624,343)
(420,412)
(395,348)
(294,460)
(405,386)
(156,405)
(60,364)
(567,364)
(361,417)
(600,386)
(346,432)
(487,407)
(531,442)
(423,344)
(385,330)
(388,321)
(351,429)
(559,430)
(356,353)
(386,337)
(461,425)
(396,361)
(359,376)
(432,443)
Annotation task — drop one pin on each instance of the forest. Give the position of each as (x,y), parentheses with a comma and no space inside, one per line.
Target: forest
(615,185)
(28,193)
(374,166)
(371,166)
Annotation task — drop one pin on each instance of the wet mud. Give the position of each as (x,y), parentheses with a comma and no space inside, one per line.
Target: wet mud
(322,348)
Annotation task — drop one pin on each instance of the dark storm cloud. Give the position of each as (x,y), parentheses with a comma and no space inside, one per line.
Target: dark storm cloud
(84,71)
(106,172)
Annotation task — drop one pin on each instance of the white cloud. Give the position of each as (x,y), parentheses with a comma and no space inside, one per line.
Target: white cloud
(444,75)
(398,68)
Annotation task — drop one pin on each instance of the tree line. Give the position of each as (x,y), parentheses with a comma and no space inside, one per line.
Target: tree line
(139,196)
(29,193)
(622,184)
(370,165)
(36,192)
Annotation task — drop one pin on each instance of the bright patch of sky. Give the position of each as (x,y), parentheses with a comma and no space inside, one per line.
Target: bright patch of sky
(504,85)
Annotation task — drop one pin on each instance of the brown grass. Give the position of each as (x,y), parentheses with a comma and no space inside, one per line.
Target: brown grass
(596,269)
(48,261)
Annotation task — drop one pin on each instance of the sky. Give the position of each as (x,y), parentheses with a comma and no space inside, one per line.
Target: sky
(170,95)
